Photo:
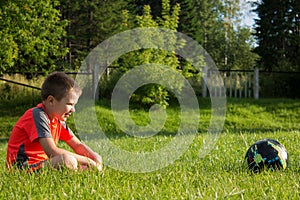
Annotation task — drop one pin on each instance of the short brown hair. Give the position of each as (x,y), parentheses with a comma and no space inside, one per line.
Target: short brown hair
(58,84)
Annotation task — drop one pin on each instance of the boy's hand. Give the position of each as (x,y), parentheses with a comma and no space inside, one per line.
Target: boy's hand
(99,166)
(98,160)
(90,164)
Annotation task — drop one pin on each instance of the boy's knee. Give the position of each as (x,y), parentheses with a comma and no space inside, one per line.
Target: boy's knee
(66,160)
(69,161)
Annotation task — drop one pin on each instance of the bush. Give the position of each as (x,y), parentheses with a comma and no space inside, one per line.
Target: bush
(278,85)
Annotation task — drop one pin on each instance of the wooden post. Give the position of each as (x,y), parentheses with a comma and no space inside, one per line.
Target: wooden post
(230,84)
(210,76)
(246,84)
(96,81)
(240,86)
(225,84)
(204,79)
(235,85)
(249,82)
(256,83)
(216,83)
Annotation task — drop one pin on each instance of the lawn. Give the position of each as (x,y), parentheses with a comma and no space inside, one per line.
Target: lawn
(221,174)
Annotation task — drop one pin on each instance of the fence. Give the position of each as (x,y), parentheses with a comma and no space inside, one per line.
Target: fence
(234,84)
(14,89)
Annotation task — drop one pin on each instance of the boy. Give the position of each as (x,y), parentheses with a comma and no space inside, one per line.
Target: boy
(34,138)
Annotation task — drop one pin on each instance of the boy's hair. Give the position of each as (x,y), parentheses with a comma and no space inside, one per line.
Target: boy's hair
(58,84)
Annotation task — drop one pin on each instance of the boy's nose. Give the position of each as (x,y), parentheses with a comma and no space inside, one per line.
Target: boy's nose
(73,109)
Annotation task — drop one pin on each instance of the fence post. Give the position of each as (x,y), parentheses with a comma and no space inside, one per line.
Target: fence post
(249,85)
(204,79)
(235,85)
(230,84)
(256,83)
(246,84)
(225,85)
(95,88)
(240,85)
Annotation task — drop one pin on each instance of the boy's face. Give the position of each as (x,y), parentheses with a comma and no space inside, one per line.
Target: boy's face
(65,107)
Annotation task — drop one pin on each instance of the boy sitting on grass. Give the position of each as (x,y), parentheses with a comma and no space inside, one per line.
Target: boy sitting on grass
(34,138)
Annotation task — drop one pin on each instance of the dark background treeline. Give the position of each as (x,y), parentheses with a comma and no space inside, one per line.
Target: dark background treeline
(42,36)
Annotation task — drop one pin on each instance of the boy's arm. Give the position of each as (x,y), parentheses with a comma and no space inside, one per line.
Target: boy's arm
(52,150)
(84,150)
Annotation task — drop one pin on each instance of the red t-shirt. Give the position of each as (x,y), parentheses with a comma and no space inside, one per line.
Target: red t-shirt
(23,144)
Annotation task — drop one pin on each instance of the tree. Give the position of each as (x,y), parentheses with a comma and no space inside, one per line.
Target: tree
(154,93)
(216,26)
(30,36)
(277,33)
(199,20)
(91,22)
(136,7)
(241,55)
(294,18)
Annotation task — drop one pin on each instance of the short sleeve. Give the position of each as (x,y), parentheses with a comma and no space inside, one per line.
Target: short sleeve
(41,122)
(66,133)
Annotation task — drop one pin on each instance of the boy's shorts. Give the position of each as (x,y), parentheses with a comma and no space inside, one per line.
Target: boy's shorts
(32,167)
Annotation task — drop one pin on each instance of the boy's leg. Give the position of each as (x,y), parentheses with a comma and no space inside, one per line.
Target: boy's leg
(65,160)
(33,167)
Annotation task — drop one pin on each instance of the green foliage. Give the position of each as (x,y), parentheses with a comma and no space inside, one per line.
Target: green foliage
(151,94)
(31,35)
(276,85)
(9,53)
(154,93)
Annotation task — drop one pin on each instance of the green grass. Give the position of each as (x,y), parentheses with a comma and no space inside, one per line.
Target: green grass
(221,174)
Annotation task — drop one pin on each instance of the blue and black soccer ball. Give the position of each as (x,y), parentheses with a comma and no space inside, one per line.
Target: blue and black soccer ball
(266,154)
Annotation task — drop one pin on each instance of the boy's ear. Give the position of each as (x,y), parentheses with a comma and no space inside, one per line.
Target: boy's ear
(50,99)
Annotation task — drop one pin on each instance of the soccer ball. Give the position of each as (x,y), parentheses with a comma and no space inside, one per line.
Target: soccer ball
(266,153)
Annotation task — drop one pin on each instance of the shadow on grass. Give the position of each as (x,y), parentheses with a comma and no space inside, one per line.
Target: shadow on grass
(204,103)
(257,130)
(119,135)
